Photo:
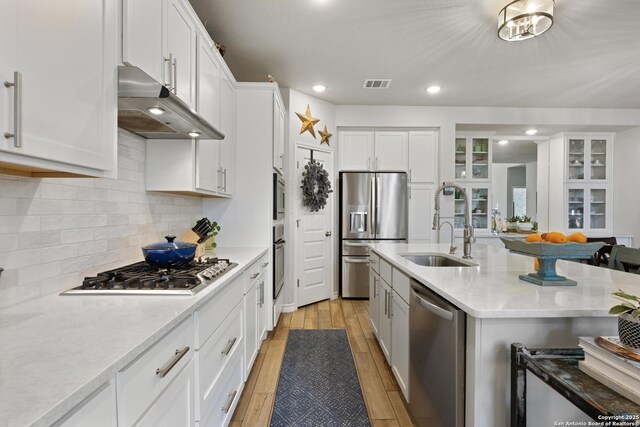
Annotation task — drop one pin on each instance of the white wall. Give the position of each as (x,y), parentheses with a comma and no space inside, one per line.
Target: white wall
(56,231)
(532,188)
(499,186)
(296,102)
(626,176)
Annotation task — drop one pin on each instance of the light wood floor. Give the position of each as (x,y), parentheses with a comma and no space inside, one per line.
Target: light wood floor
(384,400)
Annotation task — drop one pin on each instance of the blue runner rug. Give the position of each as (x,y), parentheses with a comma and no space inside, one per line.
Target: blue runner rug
(318,382)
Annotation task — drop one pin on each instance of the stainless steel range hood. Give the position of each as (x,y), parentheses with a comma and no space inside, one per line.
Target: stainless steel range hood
(139,95)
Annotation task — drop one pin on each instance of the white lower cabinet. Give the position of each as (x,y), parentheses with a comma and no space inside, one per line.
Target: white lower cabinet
(251,327)
(142,382)
(227,394)
(262,311)
(384,324)
(175,406)
(374,300)
(389,317)
(98,410)
(400,342)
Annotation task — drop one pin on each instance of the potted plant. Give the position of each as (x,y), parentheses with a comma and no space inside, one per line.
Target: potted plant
(211,241)
(628,319)
(525,224)
(512,223)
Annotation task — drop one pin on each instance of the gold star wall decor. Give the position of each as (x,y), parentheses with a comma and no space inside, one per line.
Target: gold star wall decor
(325,136)
(308,121)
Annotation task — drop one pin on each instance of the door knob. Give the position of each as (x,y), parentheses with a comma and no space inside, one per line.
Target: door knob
(328,234)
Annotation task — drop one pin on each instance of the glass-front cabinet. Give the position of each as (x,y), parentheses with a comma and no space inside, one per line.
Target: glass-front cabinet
(588,208)
(479,205)
(588,157)
(473,157)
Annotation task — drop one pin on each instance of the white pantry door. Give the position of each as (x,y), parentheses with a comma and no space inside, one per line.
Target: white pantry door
(313,237)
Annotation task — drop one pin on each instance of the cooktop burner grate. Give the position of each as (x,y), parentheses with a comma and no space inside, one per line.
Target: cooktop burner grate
(142,279)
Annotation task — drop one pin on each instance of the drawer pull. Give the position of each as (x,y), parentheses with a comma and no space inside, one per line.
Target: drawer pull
(229,401)
(229,346)
(265,265)
(162,372)
(253,276)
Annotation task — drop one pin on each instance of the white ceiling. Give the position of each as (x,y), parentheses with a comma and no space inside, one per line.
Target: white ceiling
(589,58)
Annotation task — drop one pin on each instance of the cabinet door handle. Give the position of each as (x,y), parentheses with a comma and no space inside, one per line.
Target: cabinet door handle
(224,172)
(262,293)
(409,174)
(175,75)
(385,302)
(375,282)
(390,305)
(220,187)
(229,402)
(162,372)
(368,162)
(225,351)
(254,275)
(265,265)
(168,61)
(17,109)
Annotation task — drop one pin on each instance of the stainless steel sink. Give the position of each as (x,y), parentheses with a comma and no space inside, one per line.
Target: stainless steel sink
(437,260)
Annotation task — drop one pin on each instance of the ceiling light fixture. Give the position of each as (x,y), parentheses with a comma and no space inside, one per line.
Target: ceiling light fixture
(531,132)
(319,88)
(156,111)
(524,19)
(434,89)
(194,134)
(503,142)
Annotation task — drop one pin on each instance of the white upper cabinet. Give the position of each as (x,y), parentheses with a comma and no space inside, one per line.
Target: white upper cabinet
(588,157)
(278,135)
(420,213)
(142,29)
(159,37)
(391,151)
(208,83)
(423,156)
(356,151)
(227,155)
(473,157)
(180,51)
(62,107)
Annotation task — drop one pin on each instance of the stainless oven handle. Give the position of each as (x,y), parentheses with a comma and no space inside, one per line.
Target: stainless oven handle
(438,311)
(162,372)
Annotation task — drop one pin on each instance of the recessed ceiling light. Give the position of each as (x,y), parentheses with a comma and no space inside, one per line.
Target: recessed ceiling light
(319,88)
(156,111)
(531,131)
(194,134)
(503,142)
(434,89)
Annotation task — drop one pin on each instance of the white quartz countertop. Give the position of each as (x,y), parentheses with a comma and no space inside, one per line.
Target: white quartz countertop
(493,289)
(57,350)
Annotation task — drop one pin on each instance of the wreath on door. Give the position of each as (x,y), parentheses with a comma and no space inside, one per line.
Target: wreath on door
(316,186)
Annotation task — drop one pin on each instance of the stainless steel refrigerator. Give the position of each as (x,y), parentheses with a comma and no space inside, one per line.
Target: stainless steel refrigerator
(373,207)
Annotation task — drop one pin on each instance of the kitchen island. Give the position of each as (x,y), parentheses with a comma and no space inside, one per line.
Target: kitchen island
(501,309)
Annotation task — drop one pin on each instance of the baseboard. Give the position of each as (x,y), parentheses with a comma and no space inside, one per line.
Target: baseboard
(335,295)
(289,308)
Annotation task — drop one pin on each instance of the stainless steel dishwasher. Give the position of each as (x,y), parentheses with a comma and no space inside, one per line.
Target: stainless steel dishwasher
(437,332)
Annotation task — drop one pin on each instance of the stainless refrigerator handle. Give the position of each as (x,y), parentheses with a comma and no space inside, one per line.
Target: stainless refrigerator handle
(438,311)
(372,208)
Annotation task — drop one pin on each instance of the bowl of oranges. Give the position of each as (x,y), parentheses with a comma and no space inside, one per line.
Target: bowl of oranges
(554,244)
(547,248)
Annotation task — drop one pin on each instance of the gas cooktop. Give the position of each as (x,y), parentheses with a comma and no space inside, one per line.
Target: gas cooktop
(142,279)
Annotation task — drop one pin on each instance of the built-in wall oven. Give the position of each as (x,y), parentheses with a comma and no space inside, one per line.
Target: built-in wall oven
(278,259)
(278,196)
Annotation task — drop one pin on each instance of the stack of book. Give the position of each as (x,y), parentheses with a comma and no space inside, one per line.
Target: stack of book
(609,362)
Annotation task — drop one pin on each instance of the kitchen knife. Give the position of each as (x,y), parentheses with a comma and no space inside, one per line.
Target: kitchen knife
(204,239)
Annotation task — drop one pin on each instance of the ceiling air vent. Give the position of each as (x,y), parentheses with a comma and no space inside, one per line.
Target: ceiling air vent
(376,84)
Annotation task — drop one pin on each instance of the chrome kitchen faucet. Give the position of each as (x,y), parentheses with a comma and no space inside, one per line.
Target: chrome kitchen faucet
(468,229)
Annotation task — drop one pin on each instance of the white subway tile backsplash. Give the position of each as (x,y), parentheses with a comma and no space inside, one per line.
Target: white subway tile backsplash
(55,231)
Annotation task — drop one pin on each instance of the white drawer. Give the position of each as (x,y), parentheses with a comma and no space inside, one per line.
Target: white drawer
(140,383)
(374,261)
(212,313)
(385,272)
(251,276)
(401,285)
(226,395)
(264,263)
(215,355)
